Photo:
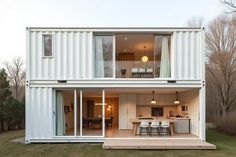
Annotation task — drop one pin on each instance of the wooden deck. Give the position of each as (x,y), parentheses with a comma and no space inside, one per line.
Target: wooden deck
(183,144)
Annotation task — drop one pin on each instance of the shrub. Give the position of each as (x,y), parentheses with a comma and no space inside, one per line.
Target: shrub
(227,124)
(13,113)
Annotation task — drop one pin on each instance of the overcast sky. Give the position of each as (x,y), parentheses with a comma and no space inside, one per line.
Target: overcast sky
(16,15)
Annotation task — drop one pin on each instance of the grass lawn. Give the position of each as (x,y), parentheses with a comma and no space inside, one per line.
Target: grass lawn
(226,147)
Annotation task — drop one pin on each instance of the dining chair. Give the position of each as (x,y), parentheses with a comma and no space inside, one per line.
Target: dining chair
(144,127)
(85,123)
(109,122)
(155,126)
(96,123)
(165,127)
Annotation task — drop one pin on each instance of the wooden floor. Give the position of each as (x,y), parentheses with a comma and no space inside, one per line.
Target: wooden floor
(116,133)
(111,143)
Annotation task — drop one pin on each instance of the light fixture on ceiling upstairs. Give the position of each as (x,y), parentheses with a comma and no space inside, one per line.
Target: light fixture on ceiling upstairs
(177,98)
(144,58)
(153,100)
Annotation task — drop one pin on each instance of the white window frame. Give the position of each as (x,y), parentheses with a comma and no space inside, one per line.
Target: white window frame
(43,52)
(79,92)
(113,57)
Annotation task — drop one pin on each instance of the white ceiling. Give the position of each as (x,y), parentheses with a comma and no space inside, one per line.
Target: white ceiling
(114,92)
(135,44)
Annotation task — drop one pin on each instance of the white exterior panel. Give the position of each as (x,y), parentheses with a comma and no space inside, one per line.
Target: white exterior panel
(39,110)
(187,55)
(71,60)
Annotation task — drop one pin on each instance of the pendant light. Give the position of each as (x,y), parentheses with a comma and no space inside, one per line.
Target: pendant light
(153,100)
(145,58)
(177,99)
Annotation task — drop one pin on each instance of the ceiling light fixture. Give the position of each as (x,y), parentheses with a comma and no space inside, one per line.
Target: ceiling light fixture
(177,98)
(144,58)
(126,38)
(153,100)
(99,104)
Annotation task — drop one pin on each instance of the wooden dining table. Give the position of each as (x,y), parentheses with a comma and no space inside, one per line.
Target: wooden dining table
(137,121)
(91,120)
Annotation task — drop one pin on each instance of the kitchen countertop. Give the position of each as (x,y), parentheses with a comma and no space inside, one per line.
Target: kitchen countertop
(181,118)
(161,118)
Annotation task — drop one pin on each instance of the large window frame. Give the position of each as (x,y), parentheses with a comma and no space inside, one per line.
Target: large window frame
(113,56)
(171,55)
(77,105)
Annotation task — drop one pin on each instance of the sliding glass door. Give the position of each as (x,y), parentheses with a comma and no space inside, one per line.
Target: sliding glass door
(65,113)
(92,115)
(80,112)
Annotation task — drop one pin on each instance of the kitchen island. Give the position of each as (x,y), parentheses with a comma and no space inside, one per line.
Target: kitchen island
(177,124)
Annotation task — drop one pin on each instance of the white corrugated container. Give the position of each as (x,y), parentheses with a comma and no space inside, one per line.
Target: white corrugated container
(72,60)
(73,54)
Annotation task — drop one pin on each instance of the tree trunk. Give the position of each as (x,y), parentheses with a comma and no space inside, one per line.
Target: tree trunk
(224,112)
(2,125)
(8,127)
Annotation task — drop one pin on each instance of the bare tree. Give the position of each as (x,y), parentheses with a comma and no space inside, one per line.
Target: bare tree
(213,107)
(16,75)
(221,48)
(195,22)
(231,5)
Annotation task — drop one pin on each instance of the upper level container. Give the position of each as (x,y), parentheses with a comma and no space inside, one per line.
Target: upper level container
(115,53)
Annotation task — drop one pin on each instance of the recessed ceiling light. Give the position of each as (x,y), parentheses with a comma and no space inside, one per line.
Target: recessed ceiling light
(126,38)
(125,50)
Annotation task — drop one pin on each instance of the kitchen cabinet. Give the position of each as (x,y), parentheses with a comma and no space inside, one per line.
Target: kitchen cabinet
(182,125)
(127,110)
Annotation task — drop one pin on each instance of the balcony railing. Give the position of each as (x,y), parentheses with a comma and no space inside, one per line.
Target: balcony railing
(129,69)
(137,69)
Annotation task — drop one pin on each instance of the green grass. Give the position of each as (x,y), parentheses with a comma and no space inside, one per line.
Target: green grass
(226,147)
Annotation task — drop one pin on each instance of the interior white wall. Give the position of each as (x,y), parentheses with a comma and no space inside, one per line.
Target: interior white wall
(145,111)
(191,98)
(166,100)
(127,110)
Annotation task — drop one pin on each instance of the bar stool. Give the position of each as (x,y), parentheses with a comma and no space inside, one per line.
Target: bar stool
(155,125)
(144,127)
(165,127)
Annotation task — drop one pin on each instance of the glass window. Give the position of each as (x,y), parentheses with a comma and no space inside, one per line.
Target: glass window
(103,57)
(47,45)
(162,56)
(134,56)
(92,112)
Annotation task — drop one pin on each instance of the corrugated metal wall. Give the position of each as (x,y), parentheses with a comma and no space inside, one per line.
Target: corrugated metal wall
(187,55)
(39,114)
(72,56)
